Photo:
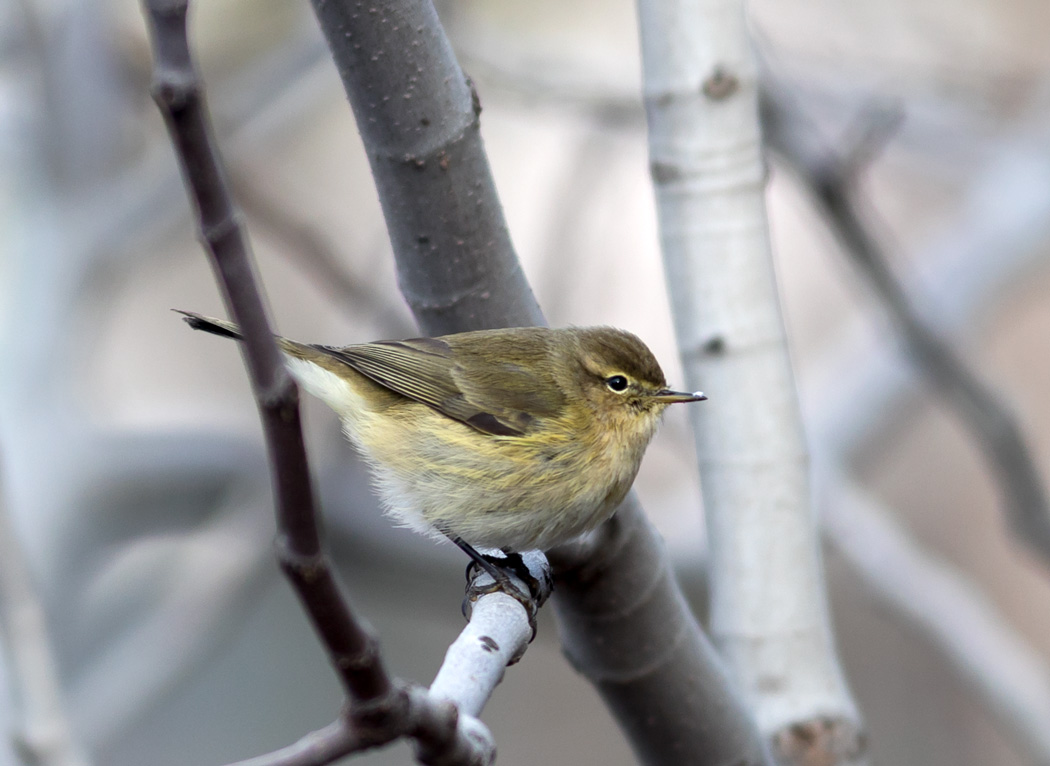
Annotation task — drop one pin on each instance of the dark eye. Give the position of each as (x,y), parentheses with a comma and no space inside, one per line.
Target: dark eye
(617,383)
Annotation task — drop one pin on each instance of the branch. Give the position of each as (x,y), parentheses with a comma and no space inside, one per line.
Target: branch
(832,180)
(654,668)
(379,708)
(176,89)
(419,119)
(44,735)
(306,247)
(1009,676)
(769,614)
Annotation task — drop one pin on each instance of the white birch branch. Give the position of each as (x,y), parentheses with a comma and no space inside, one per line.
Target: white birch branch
(499,630)
(768,607)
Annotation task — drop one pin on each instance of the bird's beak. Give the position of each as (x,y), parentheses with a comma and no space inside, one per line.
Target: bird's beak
(671,397)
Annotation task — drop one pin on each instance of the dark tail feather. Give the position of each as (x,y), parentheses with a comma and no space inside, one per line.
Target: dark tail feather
(214,326)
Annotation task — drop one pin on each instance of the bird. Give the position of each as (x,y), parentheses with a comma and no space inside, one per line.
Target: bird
(512,439)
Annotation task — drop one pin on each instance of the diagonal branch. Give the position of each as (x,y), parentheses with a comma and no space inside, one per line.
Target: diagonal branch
(176,89)
(419,119)
(832,179)
(1011,679)
(380,708)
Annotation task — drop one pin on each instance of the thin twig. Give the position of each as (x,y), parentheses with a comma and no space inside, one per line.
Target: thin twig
(315,749)
(832,179)
(176,89)
(380,709)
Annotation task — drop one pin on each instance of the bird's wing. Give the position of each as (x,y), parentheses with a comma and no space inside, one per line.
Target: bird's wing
(496,398)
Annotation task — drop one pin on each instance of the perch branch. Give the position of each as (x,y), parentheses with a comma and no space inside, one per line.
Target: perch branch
(419,119)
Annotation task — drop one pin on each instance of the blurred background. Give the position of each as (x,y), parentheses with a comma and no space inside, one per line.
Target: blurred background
(133,474)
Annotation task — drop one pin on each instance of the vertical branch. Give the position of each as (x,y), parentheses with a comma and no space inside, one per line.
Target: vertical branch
(769,614)
(419,119)
(43,735)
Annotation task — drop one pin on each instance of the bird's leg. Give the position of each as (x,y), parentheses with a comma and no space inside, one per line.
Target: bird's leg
(493,569)
(516,564)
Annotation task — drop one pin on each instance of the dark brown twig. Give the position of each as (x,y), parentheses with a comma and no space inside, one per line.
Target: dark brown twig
(176,89)
(380,709)
(832,179)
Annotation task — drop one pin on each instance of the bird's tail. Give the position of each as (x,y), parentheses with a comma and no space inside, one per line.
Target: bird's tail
(209,324)
(317,354)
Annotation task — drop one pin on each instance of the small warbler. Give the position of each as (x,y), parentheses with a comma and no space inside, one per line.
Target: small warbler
(515,439)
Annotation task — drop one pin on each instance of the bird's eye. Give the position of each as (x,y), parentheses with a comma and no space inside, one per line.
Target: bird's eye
(617,383)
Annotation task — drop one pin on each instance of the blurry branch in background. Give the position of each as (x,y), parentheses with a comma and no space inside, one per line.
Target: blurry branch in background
(458,271)
(43,735)
(985,255)
(306,247)
(832,179)
(866,387)
(1009,676)
(219,561)
(380,708)
(769,615)
(572,196)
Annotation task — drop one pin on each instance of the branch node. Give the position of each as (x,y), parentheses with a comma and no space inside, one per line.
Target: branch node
(721,84)
(383,718)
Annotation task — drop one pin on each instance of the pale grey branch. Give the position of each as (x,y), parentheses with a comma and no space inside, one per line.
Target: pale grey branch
(43,735)
(458,271)
(832,180)
(1009,676)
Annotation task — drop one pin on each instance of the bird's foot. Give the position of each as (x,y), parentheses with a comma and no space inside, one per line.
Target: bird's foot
(497,567)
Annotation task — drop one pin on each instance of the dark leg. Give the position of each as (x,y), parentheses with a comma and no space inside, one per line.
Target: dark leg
(485,563)
(516,564)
